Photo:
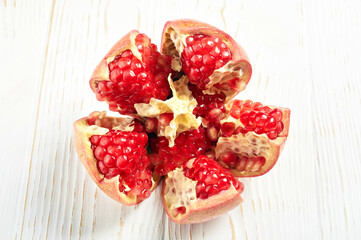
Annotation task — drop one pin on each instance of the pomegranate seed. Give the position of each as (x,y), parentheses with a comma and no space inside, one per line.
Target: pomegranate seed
(228,129)
(102,168)
(229,159)
(212,133)
(109,161)
(181,210)
(151,124)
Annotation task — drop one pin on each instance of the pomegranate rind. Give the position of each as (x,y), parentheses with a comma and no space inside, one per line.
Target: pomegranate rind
(198,210)
(173,39)
(270,149)
(82,132)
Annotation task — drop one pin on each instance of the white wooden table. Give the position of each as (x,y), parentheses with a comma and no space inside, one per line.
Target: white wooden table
(306,55)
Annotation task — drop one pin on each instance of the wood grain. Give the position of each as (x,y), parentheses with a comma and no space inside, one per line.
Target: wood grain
(305,56)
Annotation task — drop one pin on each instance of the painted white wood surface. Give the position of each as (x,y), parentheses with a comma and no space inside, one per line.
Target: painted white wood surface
(306,55)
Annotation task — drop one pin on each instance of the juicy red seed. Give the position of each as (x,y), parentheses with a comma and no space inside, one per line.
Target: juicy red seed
(99,153)
(255,117)
(229,159)
(102,168)
(151,125)
(181,210)
(124,154)
(276,114)
(187,145)
(228,129)
(94,139)
(210,176)
(202,55)
(133,81)
(165,119)
(279,128)
(109,160)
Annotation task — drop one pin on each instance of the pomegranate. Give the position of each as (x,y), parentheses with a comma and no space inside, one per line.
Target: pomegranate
(113,150)
(182,123)
(199,191)
(251,137)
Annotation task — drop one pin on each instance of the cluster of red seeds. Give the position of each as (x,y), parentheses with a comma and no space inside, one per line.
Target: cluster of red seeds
(187,145)
(134,81)
(243,163)
(210,107)
(124,154)
(255,117)
(210,176)
(202,55)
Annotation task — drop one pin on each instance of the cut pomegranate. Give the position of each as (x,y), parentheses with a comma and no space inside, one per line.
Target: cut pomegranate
(209,57)
(187,145)
(113,150)
(199,191)
(181,114)
(136,72)
(252,137)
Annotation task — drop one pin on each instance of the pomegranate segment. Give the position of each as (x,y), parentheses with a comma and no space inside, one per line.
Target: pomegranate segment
(136,75)
(252,137)
(199,191)
(209,57)
(113,150)
(187,145)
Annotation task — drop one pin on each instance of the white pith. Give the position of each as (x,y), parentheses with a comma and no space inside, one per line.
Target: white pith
(179,191)
(103,123)
(181,105)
